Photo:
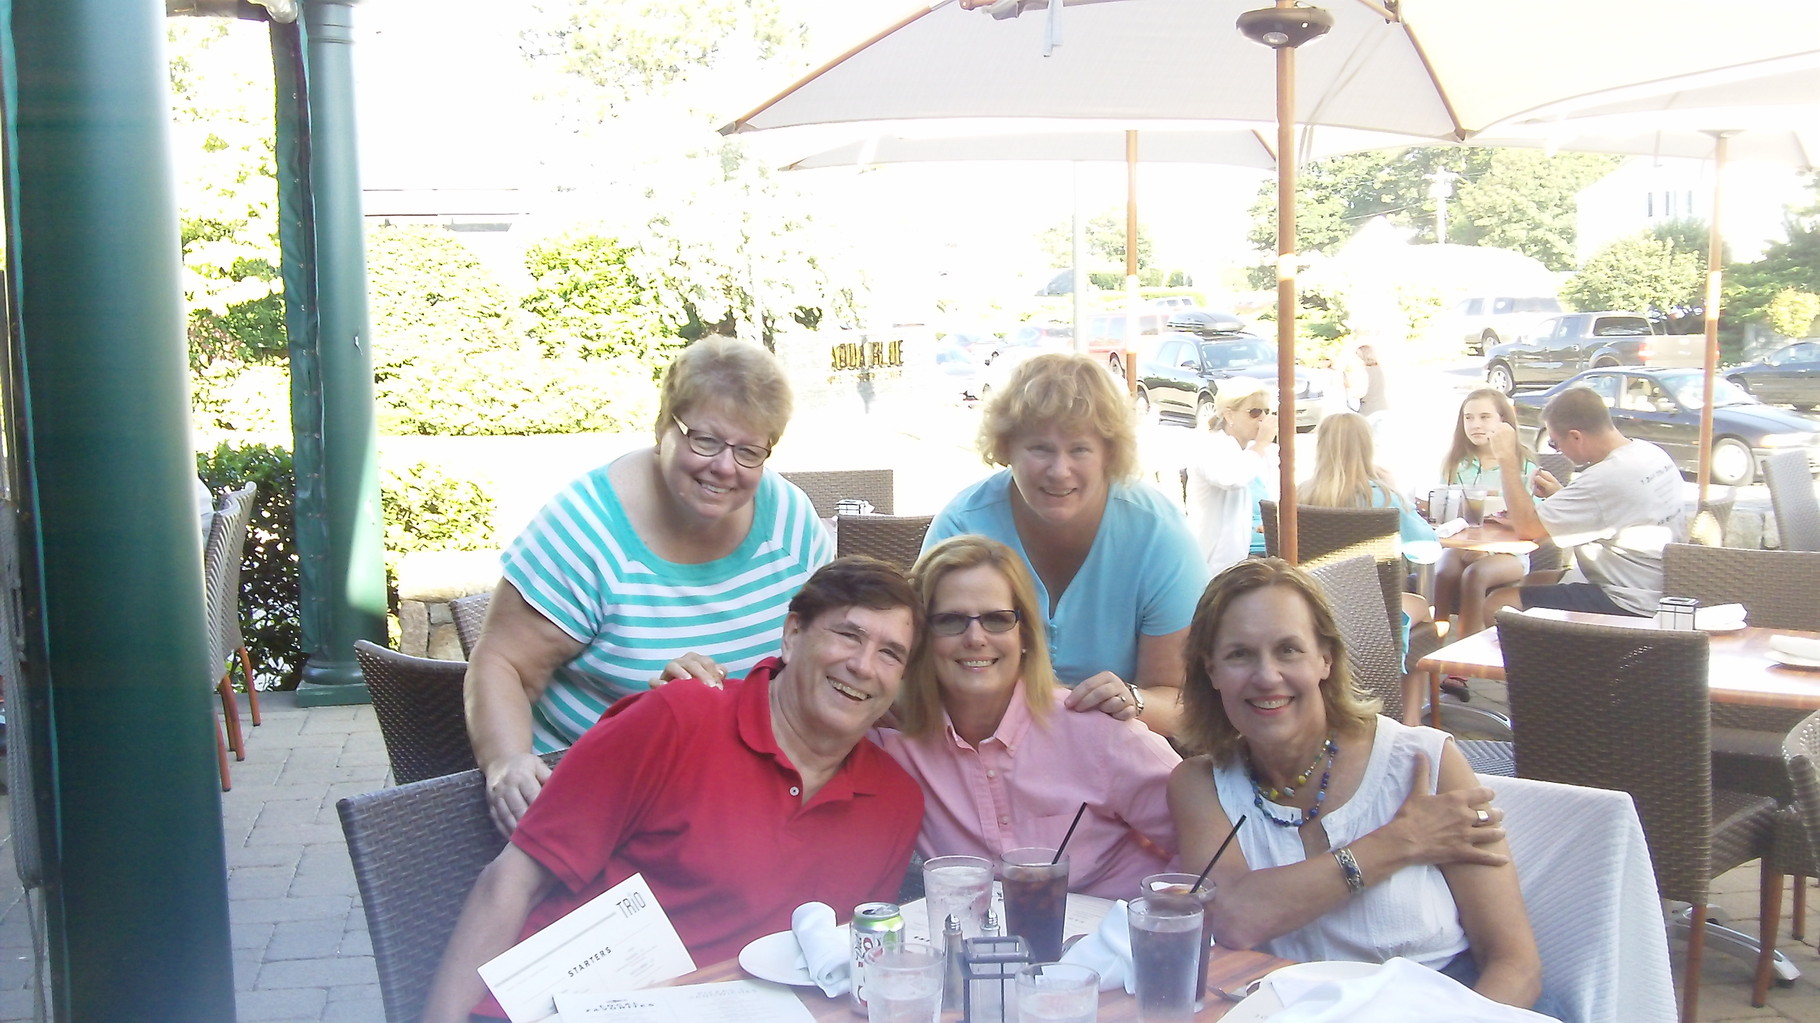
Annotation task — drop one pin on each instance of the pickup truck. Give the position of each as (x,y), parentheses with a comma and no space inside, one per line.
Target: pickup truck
(1560,346)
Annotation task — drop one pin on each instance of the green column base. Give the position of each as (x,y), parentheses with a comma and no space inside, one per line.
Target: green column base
(332,684)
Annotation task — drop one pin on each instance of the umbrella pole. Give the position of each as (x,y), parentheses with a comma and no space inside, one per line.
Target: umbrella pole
(1131,263)
(1286,303)
(1715,269)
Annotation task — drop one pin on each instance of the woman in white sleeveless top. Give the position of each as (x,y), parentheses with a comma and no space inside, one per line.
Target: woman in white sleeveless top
(1364,838)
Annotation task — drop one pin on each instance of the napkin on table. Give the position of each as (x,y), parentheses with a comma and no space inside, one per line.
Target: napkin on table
(1719,616)
(1400,991)
(1796,646)
(822,951)
(1107,951)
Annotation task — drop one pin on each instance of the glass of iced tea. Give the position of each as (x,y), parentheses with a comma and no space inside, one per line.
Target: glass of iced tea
(1036,898)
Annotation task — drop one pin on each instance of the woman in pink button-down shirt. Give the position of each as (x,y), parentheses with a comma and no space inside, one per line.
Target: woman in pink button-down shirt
(1002,763)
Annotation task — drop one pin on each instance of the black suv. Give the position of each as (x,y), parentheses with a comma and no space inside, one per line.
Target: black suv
(1179,371)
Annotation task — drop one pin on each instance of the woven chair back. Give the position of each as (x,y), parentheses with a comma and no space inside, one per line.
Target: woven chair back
(416,851)
(896,539)
(1791,493)
(1325,535)
(470,615)
(826,488)
(1615,707)
(221,571)
(418,703)
(1801,755)
(1353,589)
(1777,588)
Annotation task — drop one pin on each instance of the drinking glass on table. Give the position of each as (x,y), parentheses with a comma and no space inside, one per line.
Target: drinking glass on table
(1184,885)
(904,984)
(1057,993)
(1475,505)
(957,886)
(1165,930)
(1036,898)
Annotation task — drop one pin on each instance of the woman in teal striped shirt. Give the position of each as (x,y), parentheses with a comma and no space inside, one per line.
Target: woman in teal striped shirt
(1463,577)
(688,545)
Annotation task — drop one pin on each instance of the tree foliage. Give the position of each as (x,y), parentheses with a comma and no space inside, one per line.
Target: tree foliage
(221,116)
(1105,243)
(1641,272)
(1511,198)
(1753,290)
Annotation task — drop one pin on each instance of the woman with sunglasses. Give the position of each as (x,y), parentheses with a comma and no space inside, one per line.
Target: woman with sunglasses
(1002,763)
(685,545)
(1235,467)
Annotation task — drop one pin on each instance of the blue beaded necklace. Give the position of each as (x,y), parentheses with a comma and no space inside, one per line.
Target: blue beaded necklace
(1331,748)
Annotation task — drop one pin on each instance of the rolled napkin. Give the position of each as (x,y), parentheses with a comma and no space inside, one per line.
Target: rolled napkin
(1449,528)
(1796,646)
(821,949)
(1107,951)
(1400,991)
(1719,616)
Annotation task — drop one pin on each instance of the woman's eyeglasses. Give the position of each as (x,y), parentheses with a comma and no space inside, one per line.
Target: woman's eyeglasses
(749,455)
(953,623)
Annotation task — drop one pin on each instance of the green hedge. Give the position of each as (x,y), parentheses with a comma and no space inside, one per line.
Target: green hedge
(425,509)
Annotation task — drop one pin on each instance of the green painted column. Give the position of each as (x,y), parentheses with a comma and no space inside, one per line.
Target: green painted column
(351,603)
(137,896)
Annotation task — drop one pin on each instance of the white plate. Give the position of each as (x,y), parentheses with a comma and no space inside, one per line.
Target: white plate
(1728,627)
(1264,1003)
(1791,661)
(774,958)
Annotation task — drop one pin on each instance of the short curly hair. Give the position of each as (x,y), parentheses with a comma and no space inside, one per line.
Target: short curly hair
(1069,391)
(726,373)
(1204,727)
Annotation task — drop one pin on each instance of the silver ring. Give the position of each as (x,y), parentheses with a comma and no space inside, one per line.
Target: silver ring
(1484,816)
(1122,699)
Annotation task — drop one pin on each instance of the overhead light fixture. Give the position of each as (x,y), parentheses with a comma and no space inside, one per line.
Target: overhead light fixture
(1279,27)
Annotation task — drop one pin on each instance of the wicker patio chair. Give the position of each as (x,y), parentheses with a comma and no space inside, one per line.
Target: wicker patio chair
(416,851)
(1791,493)
(1491,757)
(826,488)
(1353,589)
(1625,708)
(470,616)
(1798,840)
(1331,534)
(896,539)
(418,703)
(221,602)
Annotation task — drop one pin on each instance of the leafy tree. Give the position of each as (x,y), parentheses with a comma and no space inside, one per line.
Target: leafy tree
(1105,243)
(1752,289)
(1641,272)
(1513,198)
(221,114)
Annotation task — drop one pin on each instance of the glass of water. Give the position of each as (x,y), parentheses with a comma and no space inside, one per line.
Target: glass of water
(1057,993)
(957,886)
(904,984)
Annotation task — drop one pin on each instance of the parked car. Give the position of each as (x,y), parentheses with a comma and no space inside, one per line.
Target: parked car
(1790,375)
(1561,346)
(960,370)
(1662,406)
(1486,320)
(1026,339)
(1179,374)
(1106,336)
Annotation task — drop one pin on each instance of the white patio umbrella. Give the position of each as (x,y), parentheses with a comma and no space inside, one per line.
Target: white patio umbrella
(1443,69)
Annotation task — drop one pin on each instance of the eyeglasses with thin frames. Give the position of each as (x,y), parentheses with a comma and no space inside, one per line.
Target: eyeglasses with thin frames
(706,445)
(953,623)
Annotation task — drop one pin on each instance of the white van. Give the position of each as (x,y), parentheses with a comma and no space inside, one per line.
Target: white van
(1485,321)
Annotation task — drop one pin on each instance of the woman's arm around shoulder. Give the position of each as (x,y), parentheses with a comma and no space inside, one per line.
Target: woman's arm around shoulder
(1491,906)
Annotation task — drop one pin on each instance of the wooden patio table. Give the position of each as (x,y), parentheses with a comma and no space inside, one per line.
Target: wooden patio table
(1739,670)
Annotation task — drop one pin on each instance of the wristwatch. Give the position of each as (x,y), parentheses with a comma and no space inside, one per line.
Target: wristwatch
(1137,697)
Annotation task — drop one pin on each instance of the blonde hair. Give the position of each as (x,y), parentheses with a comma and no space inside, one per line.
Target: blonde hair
(919,702)
(1345,465)
(1204,727)
(1072,392)
(739,377)
(1237,391)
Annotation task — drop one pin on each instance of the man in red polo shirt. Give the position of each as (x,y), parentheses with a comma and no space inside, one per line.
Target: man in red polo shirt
(737,804)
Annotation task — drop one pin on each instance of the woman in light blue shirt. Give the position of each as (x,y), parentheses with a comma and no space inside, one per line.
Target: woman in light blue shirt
(1117,572)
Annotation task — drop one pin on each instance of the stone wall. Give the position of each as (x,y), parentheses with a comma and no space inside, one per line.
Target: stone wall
(427,581)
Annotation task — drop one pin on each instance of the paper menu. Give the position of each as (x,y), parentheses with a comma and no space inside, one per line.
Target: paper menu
(739,1001)
(620,940)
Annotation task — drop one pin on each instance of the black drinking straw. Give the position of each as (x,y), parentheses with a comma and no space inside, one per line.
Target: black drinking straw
(1070,834)
(1217,853)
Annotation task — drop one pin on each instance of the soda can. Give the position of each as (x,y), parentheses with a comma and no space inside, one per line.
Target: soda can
(877,926)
